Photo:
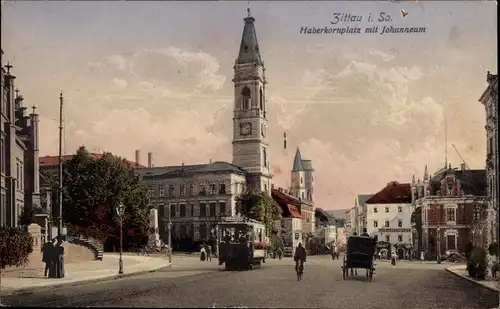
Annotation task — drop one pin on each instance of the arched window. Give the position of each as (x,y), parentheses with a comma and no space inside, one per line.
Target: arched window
(301,180)
(261,99)
(246,96)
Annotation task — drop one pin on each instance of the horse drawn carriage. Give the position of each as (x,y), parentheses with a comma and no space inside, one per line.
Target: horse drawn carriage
(359,254)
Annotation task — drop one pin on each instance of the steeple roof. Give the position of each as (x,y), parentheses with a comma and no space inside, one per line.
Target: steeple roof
(249,48)
(297,162)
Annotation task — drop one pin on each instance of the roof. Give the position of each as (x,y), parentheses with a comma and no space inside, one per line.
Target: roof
(362,198)
(284,198)
(324,217)
(337,213)
(249,47)
(393,193)
(293,211)
(297,162)
(52,161)
(184,170)
(471,181)
(492,80)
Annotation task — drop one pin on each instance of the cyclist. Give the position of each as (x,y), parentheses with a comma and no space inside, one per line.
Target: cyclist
(300,255)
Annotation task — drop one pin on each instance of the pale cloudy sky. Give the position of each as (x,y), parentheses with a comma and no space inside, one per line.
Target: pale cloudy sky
(156,76)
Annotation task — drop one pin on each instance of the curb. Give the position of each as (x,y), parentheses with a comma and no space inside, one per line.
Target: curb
(32,290)
(472,280)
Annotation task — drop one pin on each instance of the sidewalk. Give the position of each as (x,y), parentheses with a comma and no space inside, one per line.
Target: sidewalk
(81,273)
(461,271)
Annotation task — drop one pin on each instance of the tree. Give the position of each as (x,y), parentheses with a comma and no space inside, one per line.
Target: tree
(257,205)
(15,246)
(94,188)
(26,217)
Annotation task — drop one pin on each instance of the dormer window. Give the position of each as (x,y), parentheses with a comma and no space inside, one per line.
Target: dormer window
(450,189)
(246,48)
(246,97)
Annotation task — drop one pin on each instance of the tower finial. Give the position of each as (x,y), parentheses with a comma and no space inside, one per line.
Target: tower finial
(34,108)
(8,67)
(17,92)
(445,142)
(248,10)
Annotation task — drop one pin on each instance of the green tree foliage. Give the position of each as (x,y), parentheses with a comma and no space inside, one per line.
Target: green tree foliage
(257,205)
(15,246)
(94,188)
(26,217)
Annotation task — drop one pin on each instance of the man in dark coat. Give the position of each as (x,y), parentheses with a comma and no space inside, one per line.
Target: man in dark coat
(48,256)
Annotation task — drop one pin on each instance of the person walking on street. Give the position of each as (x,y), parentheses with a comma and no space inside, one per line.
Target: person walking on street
(48,256)
(209,253)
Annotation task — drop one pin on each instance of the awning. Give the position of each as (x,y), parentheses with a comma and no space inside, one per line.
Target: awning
(294,211)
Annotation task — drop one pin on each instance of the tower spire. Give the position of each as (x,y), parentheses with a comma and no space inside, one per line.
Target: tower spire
(445,142)
(249,47)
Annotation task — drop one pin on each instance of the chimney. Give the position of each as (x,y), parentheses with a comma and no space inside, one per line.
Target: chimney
(462,167)
(150,159)
(137,157)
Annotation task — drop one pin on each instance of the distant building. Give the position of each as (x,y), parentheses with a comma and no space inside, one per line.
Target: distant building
(302,188)
(450,208)
(19,180)
(388,214)
(489,99)
(360,212)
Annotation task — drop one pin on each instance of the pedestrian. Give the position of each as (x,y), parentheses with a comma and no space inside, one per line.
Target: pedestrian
(48,256)
(209,253)
(422,256)
(203,253)
(280,253)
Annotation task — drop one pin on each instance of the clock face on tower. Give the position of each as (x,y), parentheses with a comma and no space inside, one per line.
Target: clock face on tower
(246,128)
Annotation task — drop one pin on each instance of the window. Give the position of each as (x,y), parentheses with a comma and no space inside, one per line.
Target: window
(400,223)
(388,238)
(261,99)
(400,238)
(3,210)
(222,208)
(165,210)
(17,169)
(191,190)
(301,180)
(450,189)
(192,209)
(303,196)
(262,130)
(212,209)
(161,190)
(386,223)
(151,191)
(246,99)
(203,209)
(222,188)
(203,190)
(375,210)
(203,231)
(212,189)
(265,188)
(182,210)
(171,191)
(21,185)
(450,214)
(400,209)
(182,190)
(375,223)
(477,213)
(2,156)
(264,152)
(387,209)
(172,210)
(451,242)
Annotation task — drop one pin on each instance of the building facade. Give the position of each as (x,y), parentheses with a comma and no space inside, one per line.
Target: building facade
(19,172)
(452,208)
(360,212)
(489,99)
(194,197)
(388,214)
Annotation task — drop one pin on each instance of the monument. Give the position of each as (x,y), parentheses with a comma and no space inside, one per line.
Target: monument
(154,237)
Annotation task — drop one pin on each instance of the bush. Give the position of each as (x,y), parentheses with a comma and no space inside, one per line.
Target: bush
(15,246)
(476,263)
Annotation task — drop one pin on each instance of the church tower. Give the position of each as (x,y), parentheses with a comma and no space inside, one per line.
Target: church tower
(298,187)
(250,143)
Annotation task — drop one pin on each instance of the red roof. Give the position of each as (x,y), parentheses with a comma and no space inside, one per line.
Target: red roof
(49,161)
(294,212)
(393,193)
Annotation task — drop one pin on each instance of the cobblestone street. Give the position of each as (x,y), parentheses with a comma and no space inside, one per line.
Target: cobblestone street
(201,284)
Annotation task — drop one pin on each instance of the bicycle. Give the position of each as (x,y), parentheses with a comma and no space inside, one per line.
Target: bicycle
(300,270)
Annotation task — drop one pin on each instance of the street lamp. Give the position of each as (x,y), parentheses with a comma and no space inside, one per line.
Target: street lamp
(169,226)
(438,239)
(120,211)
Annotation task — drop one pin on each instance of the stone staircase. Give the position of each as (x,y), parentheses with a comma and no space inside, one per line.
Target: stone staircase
(89,243)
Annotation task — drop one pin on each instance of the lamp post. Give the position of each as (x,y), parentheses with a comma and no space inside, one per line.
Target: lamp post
(438,239)
(120,211)
(169,233)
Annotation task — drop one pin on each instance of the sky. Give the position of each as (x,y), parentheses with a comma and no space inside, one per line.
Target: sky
(367,109)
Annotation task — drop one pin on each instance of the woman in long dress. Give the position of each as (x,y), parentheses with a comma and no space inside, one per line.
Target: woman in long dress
(203,253)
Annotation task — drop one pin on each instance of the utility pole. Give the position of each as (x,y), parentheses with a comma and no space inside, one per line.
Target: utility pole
(60,223)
